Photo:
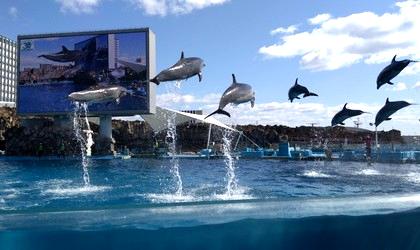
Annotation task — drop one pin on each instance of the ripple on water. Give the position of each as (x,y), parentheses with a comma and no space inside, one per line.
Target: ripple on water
(239,193)
(368,171)
(413,177)
(171,198)
(10,193)
(73,191)
(315,174)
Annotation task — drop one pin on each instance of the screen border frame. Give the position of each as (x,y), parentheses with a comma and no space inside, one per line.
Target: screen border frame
(150,71)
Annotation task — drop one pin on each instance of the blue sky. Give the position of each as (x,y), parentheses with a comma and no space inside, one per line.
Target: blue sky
(267,44)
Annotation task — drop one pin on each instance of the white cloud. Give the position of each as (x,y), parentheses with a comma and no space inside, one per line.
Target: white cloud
(289,114)
(284,113)
(171,99)
(295,114)
(165,7)
(367,37)
(416,85)
(398,87)
(281,30)
(13,12)
(412,69)
(318,19)
(78,6)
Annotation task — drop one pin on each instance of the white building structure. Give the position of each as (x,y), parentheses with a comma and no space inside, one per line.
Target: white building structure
(8,72)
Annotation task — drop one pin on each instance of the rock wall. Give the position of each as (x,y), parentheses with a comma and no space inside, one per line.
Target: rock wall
(16,138)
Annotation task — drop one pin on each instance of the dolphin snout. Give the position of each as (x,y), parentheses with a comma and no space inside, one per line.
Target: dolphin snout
(71,96)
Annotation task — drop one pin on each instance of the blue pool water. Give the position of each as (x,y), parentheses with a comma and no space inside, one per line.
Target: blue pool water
(131,204)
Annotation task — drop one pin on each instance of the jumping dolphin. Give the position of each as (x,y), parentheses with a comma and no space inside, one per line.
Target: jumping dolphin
(388,109)
(237,93)
(344,114)
(297,90)
(183,69)
(99,95)
(65,55)
(391,71)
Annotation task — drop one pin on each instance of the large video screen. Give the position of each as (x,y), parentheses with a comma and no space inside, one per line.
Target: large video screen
(107,70)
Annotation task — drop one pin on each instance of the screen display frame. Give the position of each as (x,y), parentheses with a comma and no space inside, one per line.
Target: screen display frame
(150,71)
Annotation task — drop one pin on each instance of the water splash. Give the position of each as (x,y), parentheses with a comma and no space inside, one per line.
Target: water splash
(413,177)
(85,144)
(368,172)
(74,191)
(315,174)
(88,131)
(171,142)
(232,183)
(177,84)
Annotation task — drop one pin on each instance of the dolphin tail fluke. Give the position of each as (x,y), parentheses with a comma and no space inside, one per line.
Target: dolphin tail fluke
(219,111)
(155,80)
(309,94)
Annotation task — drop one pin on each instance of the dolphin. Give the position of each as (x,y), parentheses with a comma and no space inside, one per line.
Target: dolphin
(183,69)
(297,90)
(65,55)
(391,71)
(344,114)
(237,93)
(388,109)
(99,94)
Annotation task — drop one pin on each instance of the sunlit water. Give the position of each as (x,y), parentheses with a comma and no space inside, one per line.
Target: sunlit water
(56,184)
(49,196)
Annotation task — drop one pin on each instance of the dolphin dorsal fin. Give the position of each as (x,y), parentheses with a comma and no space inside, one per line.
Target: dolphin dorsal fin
(182,55)
(233,79)
(64,48)
(393,59)
(296,81)
(345,106)
(387,100)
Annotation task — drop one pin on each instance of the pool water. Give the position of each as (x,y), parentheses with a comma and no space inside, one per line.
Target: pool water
(275,203)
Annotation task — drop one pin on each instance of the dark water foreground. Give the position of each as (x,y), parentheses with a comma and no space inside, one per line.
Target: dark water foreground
(392,231)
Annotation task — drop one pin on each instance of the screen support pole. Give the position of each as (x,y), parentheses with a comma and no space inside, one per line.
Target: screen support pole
(106,142)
